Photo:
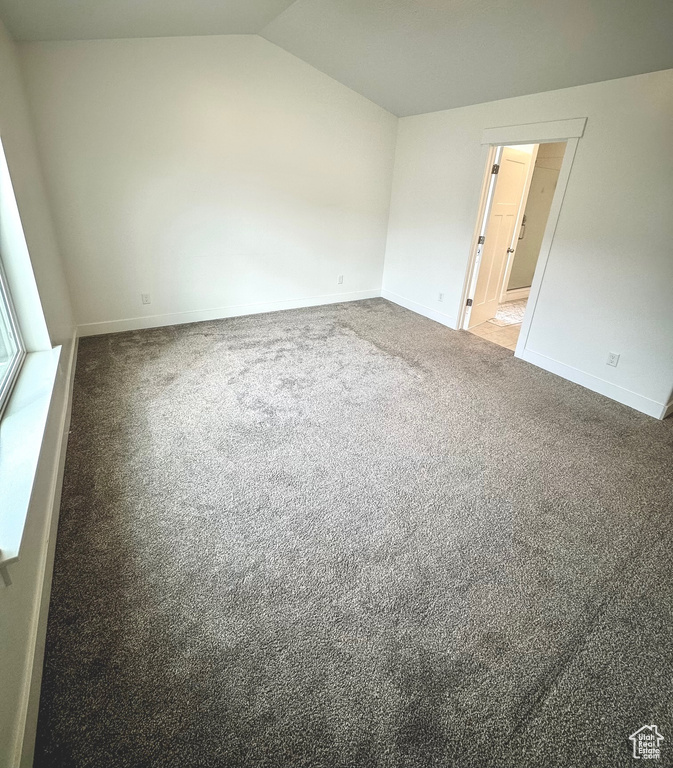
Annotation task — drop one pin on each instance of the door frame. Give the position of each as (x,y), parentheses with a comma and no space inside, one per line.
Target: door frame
(570,131)
(517,226)
(493,175)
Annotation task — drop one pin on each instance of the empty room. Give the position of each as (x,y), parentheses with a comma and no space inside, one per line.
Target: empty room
(336,368)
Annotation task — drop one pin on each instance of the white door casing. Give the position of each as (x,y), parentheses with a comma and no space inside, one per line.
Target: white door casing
(517,227)
(506,210)
(493,139)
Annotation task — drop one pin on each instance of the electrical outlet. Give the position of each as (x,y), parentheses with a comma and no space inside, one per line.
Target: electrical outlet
(613,359)
(340,280)
(440,297)
(145,298)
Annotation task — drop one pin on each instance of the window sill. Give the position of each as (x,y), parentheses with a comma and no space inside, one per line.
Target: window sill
(21,433)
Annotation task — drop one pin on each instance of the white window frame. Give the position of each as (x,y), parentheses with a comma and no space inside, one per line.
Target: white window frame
(7,309)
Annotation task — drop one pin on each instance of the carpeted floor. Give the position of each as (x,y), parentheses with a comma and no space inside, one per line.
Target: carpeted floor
(348,536)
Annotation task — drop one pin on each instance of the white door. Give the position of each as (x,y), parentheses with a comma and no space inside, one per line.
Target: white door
(507,203)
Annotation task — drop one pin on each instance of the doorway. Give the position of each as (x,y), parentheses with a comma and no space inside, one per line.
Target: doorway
(521,188)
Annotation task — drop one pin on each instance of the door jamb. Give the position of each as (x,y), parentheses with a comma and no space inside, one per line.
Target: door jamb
(517,226)
(485,200)
(569,131)
(547,241)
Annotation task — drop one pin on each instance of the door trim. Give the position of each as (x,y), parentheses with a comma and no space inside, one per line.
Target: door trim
(547,242)
(472,272)
(536,133)
(569,131)
(517,227)
(516,294)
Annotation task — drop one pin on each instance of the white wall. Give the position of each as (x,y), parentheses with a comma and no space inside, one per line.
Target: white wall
(18,140)
(220,174)
(22,609)
(608,281)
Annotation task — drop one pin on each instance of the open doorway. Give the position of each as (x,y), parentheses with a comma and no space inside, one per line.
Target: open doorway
(521,189)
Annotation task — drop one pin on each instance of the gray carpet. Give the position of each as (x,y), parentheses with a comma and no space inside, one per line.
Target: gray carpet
(348,536)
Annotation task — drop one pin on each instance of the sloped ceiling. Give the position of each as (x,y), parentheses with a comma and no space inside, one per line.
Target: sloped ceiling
(97,19)
(413,56)
(409,56)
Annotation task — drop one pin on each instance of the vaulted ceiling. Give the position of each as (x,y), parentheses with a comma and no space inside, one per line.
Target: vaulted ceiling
(95,19)
(409,56)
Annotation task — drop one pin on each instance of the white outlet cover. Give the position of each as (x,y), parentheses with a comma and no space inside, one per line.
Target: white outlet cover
(613,359)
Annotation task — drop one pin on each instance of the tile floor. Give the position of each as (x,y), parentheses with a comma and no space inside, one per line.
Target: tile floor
(504,336)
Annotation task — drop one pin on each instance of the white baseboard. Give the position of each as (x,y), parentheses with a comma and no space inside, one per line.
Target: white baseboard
(219,313)
(516,294)
(596,384)
(29,705)
(667,411)
(421,309)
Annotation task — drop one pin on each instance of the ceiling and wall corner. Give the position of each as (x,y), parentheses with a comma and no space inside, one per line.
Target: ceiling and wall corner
(413,57)
(407,56)
(41,20)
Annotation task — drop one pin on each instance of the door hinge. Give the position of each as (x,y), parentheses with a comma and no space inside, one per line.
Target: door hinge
(469,302)
(482,240)
(495,168)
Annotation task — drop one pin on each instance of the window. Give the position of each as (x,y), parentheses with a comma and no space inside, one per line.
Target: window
(12,350)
